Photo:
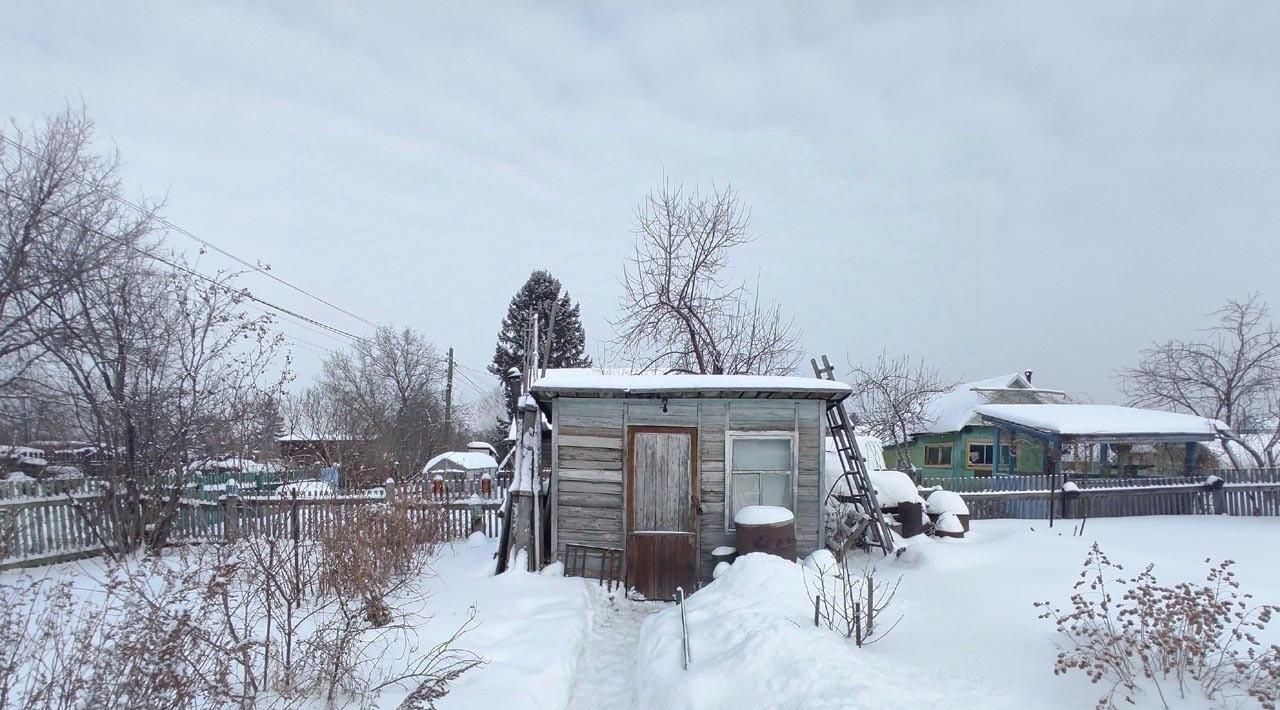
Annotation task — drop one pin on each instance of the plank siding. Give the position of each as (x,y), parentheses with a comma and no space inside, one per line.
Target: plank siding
(648,412)
(590,437)
(808,423)
(588,461)
(712,415)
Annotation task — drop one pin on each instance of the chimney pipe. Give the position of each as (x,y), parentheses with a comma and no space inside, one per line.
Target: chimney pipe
(1027,374)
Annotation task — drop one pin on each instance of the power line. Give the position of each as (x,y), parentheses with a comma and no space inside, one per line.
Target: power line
(477,388)
(203,242)
(152,255)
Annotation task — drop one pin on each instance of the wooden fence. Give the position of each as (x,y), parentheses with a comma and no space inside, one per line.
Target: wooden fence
(1253,492)
(1042,482)
(452,485)
(43,529)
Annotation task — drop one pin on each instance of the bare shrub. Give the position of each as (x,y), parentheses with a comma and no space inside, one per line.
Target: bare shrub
(110,651)
(850,601)
(268,621)
(1189,639)
(378,546)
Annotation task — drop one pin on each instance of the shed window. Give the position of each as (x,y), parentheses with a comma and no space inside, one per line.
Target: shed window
(937,455)
(761,472)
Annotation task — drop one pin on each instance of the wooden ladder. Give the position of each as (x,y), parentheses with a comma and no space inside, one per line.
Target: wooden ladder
(861,492)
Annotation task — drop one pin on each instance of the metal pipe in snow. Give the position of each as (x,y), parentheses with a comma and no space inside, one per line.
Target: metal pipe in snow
(684,627)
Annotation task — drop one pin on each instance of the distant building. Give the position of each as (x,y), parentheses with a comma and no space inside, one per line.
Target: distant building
(955,442)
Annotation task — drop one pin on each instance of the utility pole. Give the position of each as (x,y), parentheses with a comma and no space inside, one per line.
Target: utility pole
(448,401)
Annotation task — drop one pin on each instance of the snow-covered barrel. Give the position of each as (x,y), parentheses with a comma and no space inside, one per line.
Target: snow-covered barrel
(766,528)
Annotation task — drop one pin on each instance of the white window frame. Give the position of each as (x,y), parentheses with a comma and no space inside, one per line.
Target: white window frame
(729,438)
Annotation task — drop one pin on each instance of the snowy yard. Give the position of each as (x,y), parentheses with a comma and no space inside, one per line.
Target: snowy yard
(968,634)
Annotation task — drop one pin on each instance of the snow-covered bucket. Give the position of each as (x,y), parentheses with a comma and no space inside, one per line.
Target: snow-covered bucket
(766,528)
(948,525)
(723,553)
(941,502)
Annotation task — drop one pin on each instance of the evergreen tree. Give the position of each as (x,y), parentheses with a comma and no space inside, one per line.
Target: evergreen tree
(569,342)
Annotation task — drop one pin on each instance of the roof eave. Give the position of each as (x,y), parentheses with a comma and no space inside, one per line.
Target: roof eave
(547,394)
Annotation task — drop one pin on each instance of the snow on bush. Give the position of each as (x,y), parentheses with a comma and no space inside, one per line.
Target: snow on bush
(894,487)
(1070,487)
(940,502)
(754,644)
(1136,636)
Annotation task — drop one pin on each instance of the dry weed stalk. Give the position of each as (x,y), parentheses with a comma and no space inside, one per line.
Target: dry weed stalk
(1188,639)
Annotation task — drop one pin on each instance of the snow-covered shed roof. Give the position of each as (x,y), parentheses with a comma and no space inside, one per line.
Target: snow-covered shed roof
(954,410)
(461,460)
(586,383)
(1104,422)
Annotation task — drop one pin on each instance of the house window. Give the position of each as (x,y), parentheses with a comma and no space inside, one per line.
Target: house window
(761,472)
(937,455)
(981,456)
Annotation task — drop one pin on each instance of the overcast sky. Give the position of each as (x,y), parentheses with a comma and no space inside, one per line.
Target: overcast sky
(987,186)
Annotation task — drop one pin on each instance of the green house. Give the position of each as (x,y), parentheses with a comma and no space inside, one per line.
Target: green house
(955,443)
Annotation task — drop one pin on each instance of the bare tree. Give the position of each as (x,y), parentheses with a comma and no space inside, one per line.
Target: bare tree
(54,196)
(1230,373)
(385,391)
(150,357)
(892,396)
(679,310)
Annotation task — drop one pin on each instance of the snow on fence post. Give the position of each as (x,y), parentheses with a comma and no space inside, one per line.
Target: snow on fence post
(389,491)
(1070,494)
(1217,490)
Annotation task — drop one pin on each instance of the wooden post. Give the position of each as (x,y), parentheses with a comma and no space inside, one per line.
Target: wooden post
(522,501)
(995,455)
(1069,499)
(231,515)
(1051,468)
(870,581)
(390,488)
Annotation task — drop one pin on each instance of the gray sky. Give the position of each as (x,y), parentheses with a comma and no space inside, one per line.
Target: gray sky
(993,186)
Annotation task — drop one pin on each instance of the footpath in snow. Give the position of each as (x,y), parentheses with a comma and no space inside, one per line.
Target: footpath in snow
(607,667)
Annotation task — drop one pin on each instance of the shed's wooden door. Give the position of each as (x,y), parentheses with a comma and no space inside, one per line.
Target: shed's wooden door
(662,485)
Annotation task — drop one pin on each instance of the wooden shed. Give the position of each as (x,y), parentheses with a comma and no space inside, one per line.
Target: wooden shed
(655,466)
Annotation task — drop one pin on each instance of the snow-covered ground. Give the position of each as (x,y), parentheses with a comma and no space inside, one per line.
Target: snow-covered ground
(606,676)
(967,634)
(530,629)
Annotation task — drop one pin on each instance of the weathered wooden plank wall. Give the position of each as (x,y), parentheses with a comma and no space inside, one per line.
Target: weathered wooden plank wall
(588,503)
(590,499)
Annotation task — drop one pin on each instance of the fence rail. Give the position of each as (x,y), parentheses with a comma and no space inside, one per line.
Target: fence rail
(451,486)
(40,529)
(1254,492)
(1042,482)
